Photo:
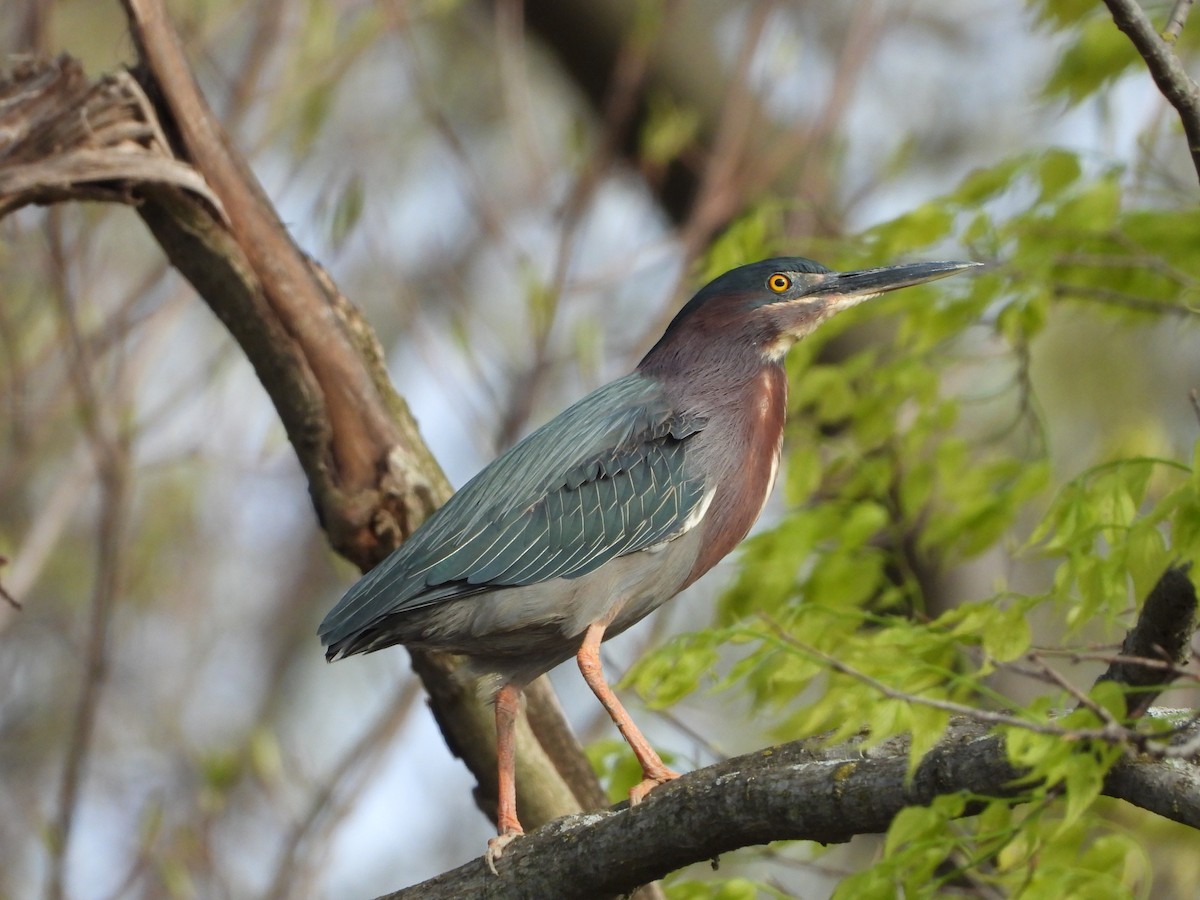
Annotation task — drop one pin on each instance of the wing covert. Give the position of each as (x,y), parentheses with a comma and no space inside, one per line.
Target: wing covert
(607,477)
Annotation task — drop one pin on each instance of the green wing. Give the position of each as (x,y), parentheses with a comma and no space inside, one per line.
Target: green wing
(607,477)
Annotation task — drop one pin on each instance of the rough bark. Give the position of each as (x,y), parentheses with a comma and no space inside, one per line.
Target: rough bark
(68,138)
(795,791)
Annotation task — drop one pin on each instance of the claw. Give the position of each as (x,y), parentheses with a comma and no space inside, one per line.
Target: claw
(495,848)
(650,782)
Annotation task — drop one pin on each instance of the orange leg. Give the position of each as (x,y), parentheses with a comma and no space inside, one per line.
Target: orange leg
(508,704)
(654,770)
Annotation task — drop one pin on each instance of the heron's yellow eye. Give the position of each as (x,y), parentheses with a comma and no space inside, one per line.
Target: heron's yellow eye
(779,282)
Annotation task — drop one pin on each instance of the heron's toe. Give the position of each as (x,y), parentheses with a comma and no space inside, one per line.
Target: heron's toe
(649,783)
(496,845)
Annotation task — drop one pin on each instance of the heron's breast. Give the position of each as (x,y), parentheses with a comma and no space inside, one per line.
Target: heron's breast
(743,454)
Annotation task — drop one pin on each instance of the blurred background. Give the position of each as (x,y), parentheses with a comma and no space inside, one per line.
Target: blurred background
(518,195)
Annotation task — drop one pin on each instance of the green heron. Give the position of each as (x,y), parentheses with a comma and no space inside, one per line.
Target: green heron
(611,508)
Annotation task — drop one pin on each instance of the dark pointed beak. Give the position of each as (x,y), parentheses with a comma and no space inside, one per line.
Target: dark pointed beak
(869,282)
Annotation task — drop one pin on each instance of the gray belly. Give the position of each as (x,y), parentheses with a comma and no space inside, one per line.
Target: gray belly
(515,634)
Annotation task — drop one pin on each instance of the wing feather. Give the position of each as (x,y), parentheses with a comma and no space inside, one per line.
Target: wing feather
(608,477)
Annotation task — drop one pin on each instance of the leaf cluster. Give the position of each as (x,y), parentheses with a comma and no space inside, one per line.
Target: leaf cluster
(901,469)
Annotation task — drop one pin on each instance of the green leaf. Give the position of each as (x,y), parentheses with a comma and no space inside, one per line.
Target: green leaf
(1010,637)
(315,105)
(718,889)
(984,184)
(736,889)
(827,390)
(924,225)
(1060,14)
(874,883)
(1110,696)
(1099,53)
(1090,210)
(927,725)
(913,825)
(862,523)
(1057,170)
(1082,776)
(675,670)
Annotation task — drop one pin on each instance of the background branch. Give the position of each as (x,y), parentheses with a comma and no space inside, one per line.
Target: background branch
(1165,67)
(110,451)
(371,476)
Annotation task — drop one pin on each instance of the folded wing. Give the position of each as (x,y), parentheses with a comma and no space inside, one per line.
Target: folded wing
(607,477)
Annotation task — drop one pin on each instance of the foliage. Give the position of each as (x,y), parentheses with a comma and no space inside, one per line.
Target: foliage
(892,484)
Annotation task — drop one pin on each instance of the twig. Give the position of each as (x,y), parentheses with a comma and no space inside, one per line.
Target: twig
(344,415)
(1163,630)
(1100,712)
(1147,662)
(984,716)
(722,187)
(1164,65)
(1121,299)
(371,477)
(265,36)
(1176,20)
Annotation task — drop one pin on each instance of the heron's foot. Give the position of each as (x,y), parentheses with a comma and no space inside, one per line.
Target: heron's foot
(497,844)
(652,778)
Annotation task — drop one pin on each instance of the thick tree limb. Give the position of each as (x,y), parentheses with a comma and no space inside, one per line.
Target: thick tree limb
(351,423)
(792,792)
(1165,67)
(372,477)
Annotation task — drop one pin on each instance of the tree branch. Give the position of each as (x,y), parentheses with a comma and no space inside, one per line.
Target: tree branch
(1164,65)
(797,791)
(373,480)
(110,448)
(1177,20)
(371,477)
(350,422)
